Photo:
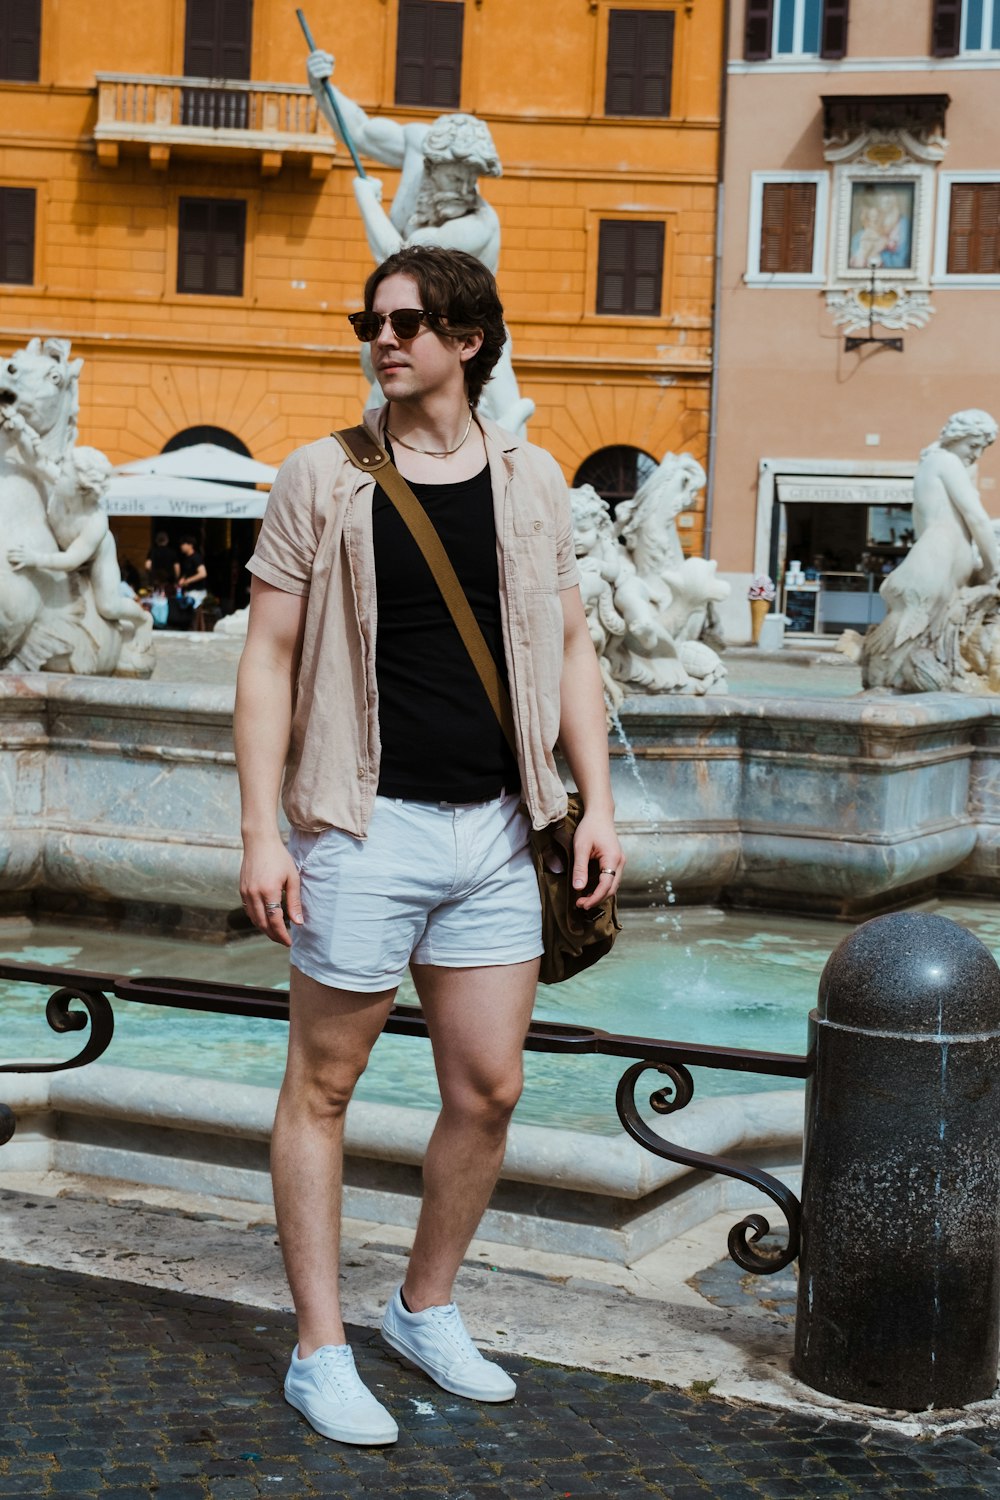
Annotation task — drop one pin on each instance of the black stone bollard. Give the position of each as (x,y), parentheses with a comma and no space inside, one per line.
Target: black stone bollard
(899,1270)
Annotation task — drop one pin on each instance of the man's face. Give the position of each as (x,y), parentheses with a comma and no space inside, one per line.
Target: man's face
(188,549)
(413,369)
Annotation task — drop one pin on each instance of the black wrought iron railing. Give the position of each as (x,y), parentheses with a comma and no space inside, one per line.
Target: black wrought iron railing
(80,1000)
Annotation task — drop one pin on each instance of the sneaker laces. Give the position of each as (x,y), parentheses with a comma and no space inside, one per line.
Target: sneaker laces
(449,1320)
(339,1371)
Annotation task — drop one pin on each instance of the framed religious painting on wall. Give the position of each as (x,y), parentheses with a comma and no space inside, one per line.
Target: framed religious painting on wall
(881,225)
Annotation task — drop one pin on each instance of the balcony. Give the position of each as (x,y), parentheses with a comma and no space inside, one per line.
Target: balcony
(210,117)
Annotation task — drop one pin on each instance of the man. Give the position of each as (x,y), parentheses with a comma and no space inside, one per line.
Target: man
(437,202)
(409,842)
(192,575)
(162,565)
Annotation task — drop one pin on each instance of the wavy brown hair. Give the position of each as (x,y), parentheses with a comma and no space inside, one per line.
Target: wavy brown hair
(463,294)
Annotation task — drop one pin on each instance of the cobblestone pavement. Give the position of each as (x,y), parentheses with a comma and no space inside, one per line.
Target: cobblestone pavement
(112,1391)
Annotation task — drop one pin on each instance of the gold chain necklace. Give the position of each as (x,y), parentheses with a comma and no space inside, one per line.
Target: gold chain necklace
(431,452)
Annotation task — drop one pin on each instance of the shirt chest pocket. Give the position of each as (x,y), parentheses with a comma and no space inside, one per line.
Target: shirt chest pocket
(534,549)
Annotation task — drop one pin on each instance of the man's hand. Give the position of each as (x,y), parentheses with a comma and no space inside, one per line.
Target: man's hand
(319,66)
(596,838)
(267,874)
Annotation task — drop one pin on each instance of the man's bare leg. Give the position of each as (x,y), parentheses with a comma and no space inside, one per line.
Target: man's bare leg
(331,1034)
(477,1019)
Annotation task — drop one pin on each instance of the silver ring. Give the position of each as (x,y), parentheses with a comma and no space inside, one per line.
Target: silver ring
(272,905)
(609,872)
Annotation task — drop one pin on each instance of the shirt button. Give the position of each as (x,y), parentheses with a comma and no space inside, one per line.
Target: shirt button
(537,525)
(361,773)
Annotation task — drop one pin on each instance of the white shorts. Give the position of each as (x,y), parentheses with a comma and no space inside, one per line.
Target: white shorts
(441,883)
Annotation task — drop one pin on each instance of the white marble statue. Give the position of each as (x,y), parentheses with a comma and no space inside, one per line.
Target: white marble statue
(942,600)
(61,605)
(684,589)
(634,645)
(437,202)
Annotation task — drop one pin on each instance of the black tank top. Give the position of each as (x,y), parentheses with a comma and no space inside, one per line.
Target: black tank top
(440,738)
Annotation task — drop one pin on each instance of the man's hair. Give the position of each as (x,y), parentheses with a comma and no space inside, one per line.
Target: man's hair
(188,541)
(460,289)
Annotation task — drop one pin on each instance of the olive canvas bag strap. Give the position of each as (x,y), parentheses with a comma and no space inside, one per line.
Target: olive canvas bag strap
(367,454)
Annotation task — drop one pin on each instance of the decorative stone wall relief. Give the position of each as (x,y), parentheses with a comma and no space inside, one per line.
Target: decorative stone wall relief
(883,158)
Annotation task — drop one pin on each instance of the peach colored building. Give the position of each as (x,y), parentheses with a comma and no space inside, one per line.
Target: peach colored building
(170,202)
(860,141)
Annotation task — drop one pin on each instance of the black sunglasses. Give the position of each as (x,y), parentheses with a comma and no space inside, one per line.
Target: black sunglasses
(405,323)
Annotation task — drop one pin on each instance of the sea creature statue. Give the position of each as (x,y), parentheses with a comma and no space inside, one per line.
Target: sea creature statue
(685,589)
(61,606)
(634,645)
(437,202)
(941,629)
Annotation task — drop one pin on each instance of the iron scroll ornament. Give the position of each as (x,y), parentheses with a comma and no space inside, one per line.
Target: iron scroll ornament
(61,1018)
(744,1236)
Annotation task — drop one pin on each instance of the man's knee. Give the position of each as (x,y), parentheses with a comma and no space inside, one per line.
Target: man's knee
(487,1102)
(323,1086)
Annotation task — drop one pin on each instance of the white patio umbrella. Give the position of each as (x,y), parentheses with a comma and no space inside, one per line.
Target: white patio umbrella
(170,495)
(203,461)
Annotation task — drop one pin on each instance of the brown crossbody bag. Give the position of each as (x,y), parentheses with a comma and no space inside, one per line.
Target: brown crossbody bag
(572,939)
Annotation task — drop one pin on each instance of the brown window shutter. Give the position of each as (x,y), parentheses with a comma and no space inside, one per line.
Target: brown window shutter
(787,227)
(20,40)
(429,53)
(757,31)
(833,36)
(630,268)
(17,235)
(640,62)
(946,28)
(211,240)
(974,229)
(218,37)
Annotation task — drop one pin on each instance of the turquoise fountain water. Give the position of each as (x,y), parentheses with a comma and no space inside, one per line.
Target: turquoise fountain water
(694,974)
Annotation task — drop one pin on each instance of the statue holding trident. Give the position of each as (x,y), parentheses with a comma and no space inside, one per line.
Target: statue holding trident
(437,201)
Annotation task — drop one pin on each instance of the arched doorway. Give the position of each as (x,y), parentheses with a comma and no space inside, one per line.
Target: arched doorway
(226,545)
(615,472)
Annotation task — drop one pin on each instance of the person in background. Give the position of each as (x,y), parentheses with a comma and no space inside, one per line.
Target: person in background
(162,564)
(192,575)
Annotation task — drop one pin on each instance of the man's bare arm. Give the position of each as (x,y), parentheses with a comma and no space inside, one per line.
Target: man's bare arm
(262,726)
(583,739)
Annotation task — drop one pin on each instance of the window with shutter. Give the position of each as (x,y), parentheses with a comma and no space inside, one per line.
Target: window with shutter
(218,41)
(640,62)
(787,227)
(20,40)
(17,235)
(833,33)
(757,30)
(211,241)
(630,268)
(977,26)
(429,53)
(974,229)
(797,29)
(946,28)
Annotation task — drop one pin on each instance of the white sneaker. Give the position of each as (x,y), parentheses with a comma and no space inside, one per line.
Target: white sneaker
(437,1342)
(328,1391)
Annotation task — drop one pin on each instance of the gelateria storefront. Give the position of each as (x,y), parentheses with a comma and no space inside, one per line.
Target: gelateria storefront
(831,541)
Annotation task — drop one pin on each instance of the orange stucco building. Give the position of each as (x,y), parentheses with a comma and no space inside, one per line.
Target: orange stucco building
(109,155)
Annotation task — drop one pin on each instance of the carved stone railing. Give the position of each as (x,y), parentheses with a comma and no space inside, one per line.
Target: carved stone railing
(210,116)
